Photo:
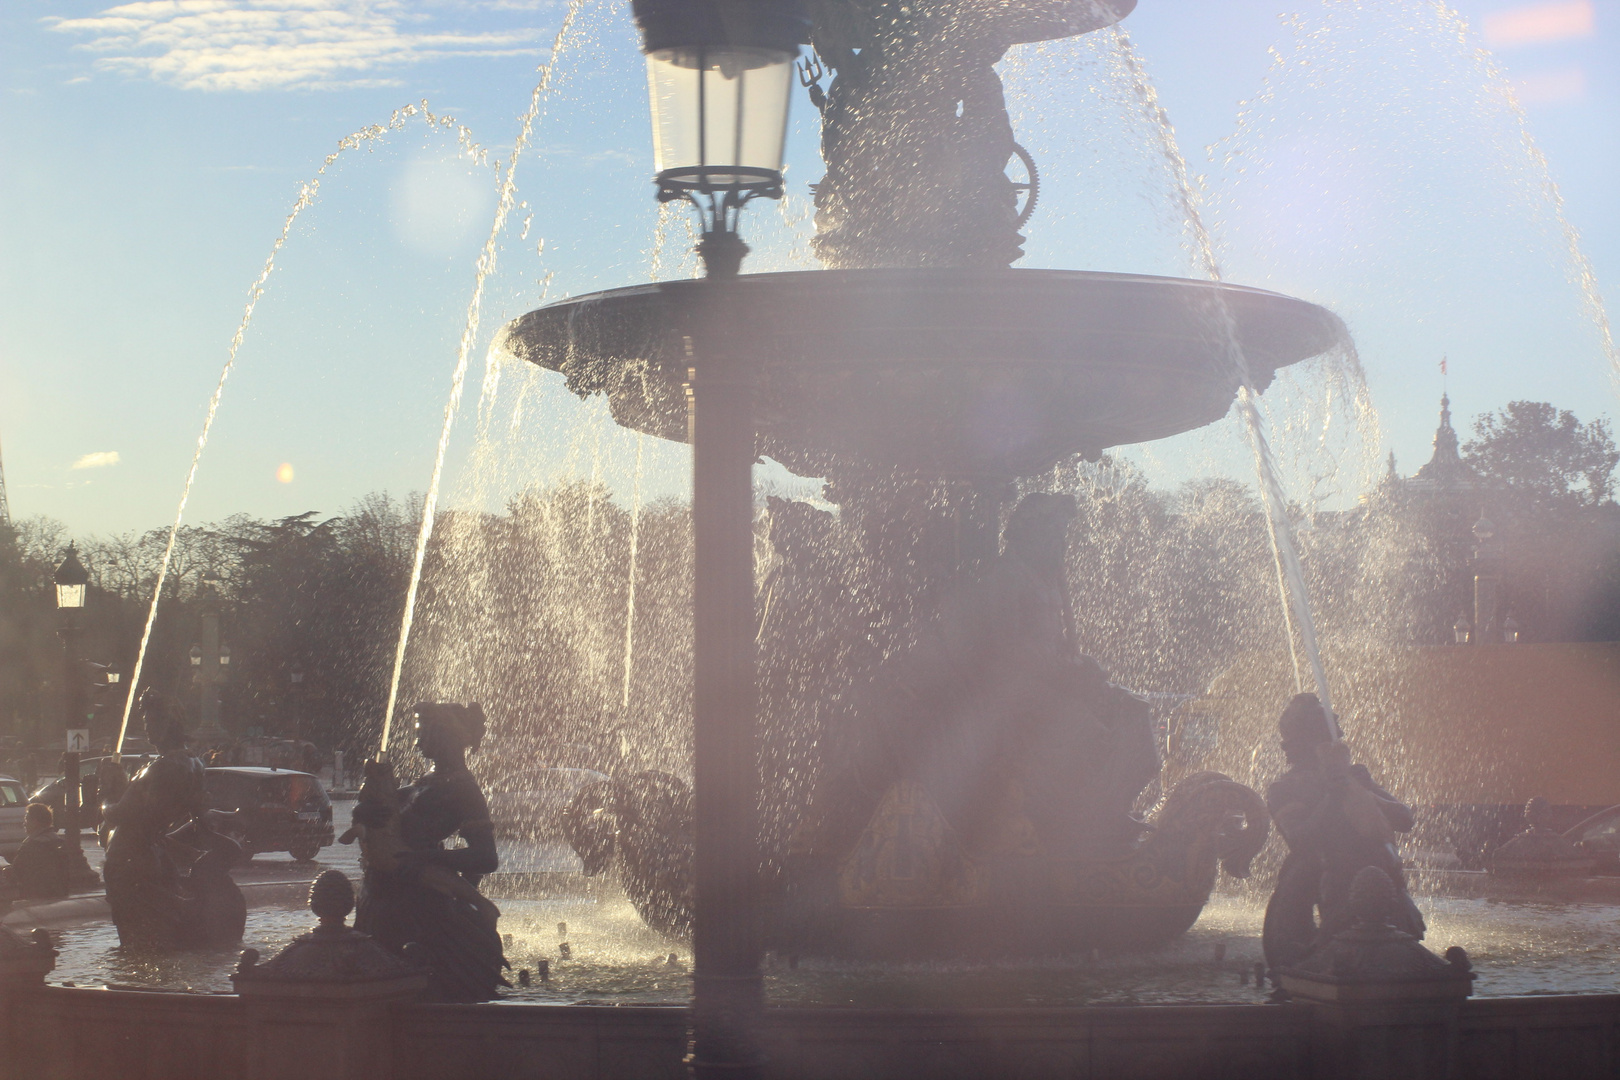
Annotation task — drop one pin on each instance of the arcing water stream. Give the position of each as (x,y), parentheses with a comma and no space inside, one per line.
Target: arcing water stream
(1291,576)
(1581,269)
(469,336)
(306,198)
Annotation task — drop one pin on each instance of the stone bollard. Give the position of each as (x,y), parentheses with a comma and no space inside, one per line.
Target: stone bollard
(24,963)
(319,1009)
(1386,1007)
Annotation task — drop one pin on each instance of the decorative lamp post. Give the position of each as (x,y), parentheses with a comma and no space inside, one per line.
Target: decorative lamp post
(719,75)
(1487,582)
(209,659)
(295,678)
(1510,631)
(1460,630)
(72,583)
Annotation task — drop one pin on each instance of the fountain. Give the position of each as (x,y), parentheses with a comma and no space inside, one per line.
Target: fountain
(920,361)
(924,379)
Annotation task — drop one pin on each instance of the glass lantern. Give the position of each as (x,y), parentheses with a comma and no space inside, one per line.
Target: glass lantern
(719,78)
(719,117)
(72,581)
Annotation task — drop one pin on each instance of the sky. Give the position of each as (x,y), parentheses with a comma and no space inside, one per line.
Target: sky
(1364,156)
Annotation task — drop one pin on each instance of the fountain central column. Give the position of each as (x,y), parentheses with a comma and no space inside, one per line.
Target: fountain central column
(728,987)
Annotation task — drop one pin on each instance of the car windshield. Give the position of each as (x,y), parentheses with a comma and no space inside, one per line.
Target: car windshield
(11,794)
(239,791)
(1605,827)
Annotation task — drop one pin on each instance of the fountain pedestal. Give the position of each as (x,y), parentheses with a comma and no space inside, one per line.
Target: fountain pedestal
(24,963)
(1386,1007)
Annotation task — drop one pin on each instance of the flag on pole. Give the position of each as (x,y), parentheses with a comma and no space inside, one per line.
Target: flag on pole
(1442,367)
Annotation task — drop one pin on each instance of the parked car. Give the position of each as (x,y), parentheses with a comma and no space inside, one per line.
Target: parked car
(51,791)
(13,801)
(1599,837)
(536,811)
(274,809)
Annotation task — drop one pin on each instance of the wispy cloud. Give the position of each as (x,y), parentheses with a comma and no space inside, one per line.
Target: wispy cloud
(98,460)
(1533,24)
(277,44)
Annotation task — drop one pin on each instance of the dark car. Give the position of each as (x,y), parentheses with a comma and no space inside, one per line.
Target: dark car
(274,809)
(51,792)
(1599,837)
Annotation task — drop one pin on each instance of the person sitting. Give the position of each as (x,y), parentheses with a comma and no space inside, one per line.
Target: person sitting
(40,870)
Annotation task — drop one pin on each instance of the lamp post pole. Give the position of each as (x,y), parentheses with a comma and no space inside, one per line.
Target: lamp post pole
(728,990)
(1487,582)
(720,74)
(208,662)
(72,582)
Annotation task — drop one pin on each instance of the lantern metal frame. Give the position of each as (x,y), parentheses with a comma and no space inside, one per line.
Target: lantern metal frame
(720,26)
(72,582)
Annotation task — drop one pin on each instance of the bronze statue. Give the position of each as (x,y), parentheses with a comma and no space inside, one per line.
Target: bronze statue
(641,826)
(154,904)
(915,134)
(381,844)
(402,894)
(996,714)
(973,792)
(1336,822)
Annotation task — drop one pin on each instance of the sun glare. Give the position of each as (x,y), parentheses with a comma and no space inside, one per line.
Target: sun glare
(285,473)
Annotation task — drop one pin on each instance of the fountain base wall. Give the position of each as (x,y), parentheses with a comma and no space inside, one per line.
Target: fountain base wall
(63,1033)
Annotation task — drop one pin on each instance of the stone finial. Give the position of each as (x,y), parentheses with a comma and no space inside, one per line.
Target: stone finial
(1372,897)
(331,898)
(333,955)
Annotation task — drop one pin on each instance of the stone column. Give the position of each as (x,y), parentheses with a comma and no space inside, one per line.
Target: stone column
(319,1009)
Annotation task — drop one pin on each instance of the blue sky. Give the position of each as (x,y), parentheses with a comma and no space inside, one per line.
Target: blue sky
(150,153)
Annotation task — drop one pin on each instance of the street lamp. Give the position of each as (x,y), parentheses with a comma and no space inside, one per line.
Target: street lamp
(196,656)
(718,75)
(1510,631)
(72,582)
(224,656)
(1460,629)
(719,78)
(72,579)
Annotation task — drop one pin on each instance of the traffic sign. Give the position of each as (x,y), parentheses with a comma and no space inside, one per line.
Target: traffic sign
(78,739)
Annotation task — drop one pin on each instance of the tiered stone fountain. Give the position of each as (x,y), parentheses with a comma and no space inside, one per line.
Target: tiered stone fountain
(919,366)
(918,360)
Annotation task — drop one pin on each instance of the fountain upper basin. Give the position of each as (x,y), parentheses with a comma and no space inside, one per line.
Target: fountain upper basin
(945,372)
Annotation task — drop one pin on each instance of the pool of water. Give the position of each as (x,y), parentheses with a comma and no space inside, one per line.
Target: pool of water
(1520,946)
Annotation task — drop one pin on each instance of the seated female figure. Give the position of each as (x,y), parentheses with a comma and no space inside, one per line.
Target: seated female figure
(397,906)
